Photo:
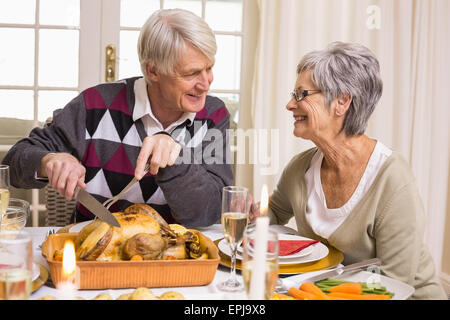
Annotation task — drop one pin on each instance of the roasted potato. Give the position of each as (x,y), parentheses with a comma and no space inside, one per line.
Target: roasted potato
(125,296)
(47,298)
(178,229)
(171,295)
(142,294)
(178,251)
(103,296)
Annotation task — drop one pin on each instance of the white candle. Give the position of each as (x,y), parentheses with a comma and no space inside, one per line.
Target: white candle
(258,283)
(70,281)
(67,290)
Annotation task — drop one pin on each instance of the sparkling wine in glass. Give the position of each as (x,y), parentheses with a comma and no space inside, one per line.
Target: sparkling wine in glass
(234,223)
(16,261)
(4,190)
(271,262)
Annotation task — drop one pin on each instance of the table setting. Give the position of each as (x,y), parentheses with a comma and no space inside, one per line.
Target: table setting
(232,260)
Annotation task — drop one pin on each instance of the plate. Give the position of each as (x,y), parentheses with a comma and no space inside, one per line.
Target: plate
(74,227)
(308,250)
(36,272)
(331,260)
(401,290)
(78,226)
(319,251)
(41,279)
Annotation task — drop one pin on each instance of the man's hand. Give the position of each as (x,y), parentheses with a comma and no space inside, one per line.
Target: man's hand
(160,150)
(64,173)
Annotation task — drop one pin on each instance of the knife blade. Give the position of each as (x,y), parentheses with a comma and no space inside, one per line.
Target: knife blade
(341,270)
(95,207)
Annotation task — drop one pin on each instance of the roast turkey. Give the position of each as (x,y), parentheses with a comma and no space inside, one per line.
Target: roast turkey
(143,232)
(102,242)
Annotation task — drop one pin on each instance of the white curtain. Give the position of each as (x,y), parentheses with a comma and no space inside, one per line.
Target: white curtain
(411,40)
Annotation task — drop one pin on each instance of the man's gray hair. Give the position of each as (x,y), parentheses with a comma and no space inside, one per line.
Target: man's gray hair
(163,38)
(347,68)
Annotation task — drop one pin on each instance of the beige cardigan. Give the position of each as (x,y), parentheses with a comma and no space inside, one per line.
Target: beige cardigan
(387,223)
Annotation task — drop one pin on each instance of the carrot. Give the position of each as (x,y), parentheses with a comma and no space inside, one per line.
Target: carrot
(352,296)
(136,257)
(302,295)
(336,298)
(349,287)
(312,288)
(281,296)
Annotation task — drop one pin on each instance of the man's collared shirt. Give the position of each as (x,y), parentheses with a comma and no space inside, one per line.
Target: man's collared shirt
(142,109)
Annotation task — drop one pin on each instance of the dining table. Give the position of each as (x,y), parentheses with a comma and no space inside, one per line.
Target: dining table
(205,292)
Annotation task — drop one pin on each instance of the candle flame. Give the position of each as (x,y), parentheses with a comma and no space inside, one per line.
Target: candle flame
(69,260)
(264,200)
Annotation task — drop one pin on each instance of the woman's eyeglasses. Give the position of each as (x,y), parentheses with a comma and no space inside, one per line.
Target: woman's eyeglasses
(299,94)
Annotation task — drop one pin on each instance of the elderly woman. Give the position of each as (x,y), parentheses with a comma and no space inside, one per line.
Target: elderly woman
(351,191)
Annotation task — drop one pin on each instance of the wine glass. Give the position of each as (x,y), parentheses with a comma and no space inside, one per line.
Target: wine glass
(269,269)
(234,223)
(4,190)
(16,259)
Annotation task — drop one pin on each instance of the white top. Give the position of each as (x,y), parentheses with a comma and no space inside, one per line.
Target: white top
(325,221)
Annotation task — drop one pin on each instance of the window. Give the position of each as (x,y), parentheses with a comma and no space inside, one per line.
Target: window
(39,59)
(40,66)
(53,49)
(225,19)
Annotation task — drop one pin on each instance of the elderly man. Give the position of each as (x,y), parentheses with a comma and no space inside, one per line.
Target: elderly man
(106,135)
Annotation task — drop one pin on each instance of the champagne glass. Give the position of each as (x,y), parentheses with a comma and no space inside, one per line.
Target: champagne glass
(4,190)
(234,222)
(270,269)
(16,260)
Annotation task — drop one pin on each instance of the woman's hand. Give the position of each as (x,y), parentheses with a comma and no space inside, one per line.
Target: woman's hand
(160,150)
(254,209)
(64,173)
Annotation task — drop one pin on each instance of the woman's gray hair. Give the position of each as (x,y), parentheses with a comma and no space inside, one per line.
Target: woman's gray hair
(347,68)
(163,38)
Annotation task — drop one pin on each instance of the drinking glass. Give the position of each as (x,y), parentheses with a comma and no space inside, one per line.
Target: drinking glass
(4,190)
(234,222)
(16,265)
(271,262)
(16,215)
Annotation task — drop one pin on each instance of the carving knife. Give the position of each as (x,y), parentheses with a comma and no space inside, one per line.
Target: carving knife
(95,207)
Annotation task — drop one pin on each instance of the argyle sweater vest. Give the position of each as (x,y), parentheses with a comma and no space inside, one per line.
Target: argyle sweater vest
(114,140)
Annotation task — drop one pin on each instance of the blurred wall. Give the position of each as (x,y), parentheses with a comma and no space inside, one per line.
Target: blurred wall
(445,277)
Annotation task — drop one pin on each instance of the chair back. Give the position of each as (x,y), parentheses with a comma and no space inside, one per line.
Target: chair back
(59,210)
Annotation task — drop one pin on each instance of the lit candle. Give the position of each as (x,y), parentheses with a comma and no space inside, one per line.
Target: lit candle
(264,204)
(69,283)
(258,283)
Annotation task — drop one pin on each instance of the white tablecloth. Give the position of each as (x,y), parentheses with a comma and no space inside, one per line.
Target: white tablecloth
(209,292)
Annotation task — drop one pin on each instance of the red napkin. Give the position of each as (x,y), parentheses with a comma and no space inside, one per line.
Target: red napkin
(288,247)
